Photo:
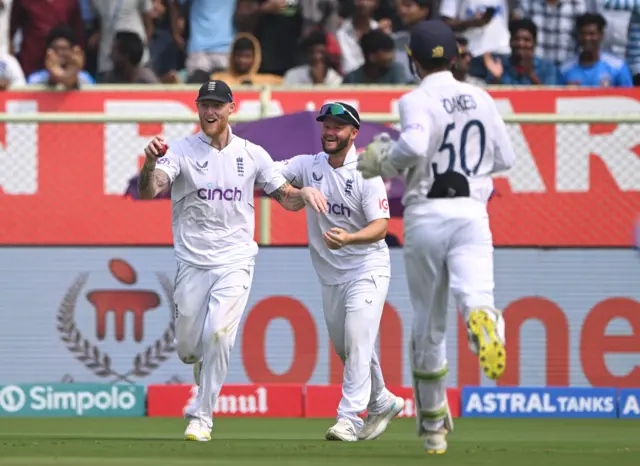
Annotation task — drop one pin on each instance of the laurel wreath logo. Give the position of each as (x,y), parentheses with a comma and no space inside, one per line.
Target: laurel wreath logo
(98,361)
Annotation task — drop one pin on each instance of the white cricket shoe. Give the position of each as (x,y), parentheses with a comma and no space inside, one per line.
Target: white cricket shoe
(376,424)
(344,430)
(197,431)
(435,443)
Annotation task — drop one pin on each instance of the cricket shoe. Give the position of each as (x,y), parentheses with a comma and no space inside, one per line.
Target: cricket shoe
(376,424)
(487,339)
(435,443)
(344,430)
(197,431)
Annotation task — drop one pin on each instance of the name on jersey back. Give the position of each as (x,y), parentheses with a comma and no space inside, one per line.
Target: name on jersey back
(459,103)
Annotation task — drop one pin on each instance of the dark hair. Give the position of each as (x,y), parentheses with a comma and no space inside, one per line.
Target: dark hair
(242,44)
(130,44)
(375,41)
(591,18)
(526,24)
(61,31)
(463,41)
(313,39)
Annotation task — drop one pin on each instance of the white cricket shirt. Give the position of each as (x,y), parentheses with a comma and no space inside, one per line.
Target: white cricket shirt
(353,203)
(450,125)
(212,198)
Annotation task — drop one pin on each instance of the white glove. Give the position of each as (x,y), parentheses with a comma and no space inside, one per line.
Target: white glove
(374,161)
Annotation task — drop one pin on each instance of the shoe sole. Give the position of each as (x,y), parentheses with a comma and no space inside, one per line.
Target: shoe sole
(491,351)
(194,438)
(396,409)
(436,452)
(331,435)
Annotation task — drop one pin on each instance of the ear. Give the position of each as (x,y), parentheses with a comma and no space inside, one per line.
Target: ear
(232,107)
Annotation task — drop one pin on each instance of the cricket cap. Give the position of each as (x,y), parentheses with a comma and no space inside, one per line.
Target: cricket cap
(432,39)
(216,90)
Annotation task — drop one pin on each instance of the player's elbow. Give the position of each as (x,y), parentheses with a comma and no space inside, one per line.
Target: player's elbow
(382,227)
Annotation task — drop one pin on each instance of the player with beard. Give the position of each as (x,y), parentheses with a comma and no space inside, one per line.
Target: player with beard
(351,259)
(212,176)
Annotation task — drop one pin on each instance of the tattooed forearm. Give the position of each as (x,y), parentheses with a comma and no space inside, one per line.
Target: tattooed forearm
(151,181)
(288,197)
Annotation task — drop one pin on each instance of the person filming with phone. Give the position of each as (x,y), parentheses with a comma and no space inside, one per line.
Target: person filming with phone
(485,25)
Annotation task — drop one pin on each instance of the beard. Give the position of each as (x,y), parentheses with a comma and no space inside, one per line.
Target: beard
(214,130)
(340,145)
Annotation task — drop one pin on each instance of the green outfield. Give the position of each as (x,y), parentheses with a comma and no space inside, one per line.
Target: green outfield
(271,442)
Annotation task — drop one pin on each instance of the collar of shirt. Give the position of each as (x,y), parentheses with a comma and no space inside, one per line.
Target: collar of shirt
(441,77)
(206,139)
(351,158)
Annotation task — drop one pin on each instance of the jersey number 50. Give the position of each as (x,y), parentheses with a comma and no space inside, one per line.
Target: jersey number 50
(462,151)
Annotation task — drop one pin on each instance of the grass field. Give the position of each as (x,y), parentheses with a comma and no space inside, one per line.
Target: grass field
(270,442)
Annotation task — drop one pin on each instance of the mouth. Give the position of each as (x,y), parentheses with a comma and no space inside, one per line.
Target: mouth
(211,120)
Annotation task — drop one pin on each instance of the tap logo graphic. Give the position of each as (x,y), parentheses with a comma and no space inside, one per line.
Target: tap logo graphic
(112,308)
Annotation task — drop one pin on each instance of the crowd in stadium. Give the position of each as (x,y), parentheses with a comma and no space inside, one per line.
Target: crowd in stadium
(75,43)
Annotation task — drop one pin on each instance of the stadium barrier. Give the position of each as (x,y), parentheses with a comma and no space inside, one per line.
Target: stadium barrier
(74,168)
(300,401)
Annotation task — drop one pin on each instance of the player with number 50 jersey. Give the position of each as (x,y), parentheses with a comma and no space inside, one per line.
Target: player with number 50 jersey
(452,140)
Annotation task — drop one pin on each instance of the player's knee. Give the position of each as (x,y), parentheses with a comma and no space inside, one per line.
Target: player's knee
(187,352)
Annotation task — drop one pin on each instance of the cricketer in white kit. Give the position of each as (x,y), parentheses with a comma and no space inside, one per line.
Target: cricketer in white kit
(351,259)
(212,176)
(453,139)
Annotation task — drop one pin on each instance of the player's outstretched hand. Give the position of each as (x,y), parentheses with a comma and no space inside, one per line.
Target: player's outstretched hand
(314,199)
(336,238)
(373,161)
(156,148)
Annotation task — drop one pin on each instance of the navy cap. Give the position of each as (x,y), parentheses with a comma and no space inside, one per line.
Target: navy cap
(432,39)
(216,90)
(340,111)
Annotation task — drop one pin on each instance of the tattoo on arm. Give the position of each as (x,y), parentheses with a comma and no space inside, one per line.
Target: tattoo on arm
(151,182)
(288,197)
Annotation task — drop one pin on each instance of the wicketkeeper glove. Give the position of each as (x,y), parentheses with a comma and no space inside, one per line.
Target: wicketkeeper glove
(374,161)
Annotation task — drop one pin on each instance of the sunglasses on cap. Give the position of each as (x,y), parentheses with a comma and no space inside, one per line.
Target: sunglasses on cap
(336,109)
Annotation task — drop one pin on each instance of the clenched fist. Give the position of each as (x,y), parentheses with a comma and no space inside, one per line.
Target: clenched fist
(156,148)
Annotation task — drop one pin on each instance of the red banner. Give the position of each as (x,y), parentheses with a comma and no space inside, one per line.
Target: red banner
(322,400)
(63,183)
(234,400)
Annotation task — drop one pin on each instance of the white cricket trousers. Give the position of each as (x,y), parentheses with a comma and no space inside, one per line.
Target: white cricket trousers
(352,312)
(448,246)
(209,307)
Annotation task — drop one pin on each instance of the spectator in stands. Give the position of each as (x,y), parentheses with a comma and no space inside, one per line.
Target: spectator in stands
(522,67)
(10,72)
(320,14)
(244,62)
(121,15)
(593,67)
(352,29)
(484,25)
(277,24)
(318,69)
(633,34)
(210,36)
(35,19)
(163,49)
(615,34)
(91,39)
(64,61)
(556,24)
(410,12)
(462,64)
(379,64)
(126,56)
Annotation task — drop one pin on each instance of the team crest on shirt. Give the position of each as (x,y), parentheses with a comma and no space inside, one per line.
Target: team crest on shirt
(317,178)
(240,166)
(348,187)
(605,80)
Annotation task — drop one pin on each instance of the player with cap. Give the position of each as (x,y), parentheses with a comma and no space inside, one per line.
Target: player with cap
(452,140)
(351,260)
(212,176)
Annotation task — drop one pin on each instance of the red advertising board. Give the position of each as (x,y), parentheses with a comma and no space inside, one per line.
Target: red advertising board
(63,183)
(234,400)
(322,400)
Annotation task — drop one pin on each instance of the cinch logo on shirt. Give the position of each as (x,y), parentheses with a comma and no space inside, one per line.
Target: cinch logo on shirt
(339,209)
(217,194)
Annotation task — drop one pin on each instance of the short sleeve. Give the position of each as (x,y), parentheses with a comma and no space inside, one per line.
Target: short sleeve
(374,199)
(624,79)
(268,177)
(293,170)
(170,163)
